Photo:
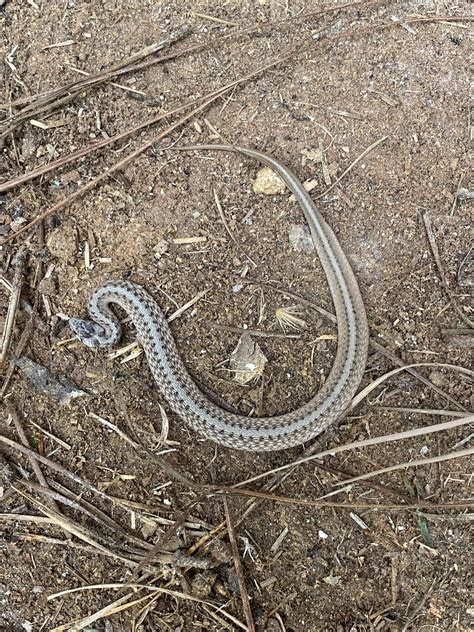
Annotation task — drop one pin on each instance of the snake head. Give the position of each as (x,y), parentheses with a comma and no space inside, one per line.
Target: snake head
(88,332)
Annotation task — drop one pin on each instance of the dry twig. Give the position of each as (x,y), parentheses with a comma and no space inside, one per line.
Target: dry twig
(437,258)
(51,100)
(12,307)
(398,436)
(238,569)
(351,166)
(34,464)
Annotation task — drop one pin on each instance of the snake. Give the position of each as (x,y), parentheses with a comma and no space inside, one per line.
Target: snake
(196,409)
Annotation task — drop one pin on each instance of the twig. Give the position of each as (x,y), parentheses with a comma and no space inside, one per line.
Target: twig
(437,258)
(416,462)
(399,436)
(238,569)
(258,333)
(351,166)
(128,89)
(229,232)
(12,307)
(24,338)
(180,520)
(461,331)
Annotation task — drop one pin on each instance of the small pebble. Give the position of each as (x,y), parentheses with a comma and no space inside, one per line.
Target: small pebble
(220,551)
(48,286)
(268,182)
(202,584)
(300,238)
(160,248)
(437,378)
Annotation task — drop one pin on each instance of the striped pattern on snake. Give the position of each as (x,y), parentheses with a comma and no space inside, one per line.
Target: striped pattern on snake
(173,379)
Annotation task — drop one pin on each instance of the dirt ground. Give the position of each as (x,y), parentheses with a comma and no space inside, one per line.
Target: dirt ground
(404,90)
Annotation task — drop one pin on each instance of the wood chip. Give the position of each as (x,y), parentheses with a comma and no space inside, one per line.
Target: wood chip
(276,545)
(59,44)
(39,124)
(189,240)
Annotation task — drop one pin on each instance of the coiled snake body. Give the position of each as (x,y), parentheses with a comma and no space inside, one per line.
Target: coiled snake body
(223,427)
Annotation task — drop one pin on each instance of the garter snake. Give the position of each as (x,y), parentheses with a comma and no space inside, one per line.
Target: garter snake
(184,397)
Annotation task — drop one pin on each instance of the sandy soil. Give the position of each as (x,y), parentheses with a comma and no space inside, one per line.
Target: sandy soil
(332,568)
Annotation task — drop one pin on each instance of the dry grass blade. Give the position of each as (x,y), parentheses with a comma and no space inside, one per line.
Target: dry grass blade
(108,424)
(320,504)
(401,466)
(229,232)
(187,305)
(165,427)
(163,558)
(50,435)
(368,389)
(12,307)
(289,318)
(110,609)
(437,258)
(164,465)
(352,165)
(238,569)
(105,174)
(136,586)
(399,436)
(422,411)
(26,518)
